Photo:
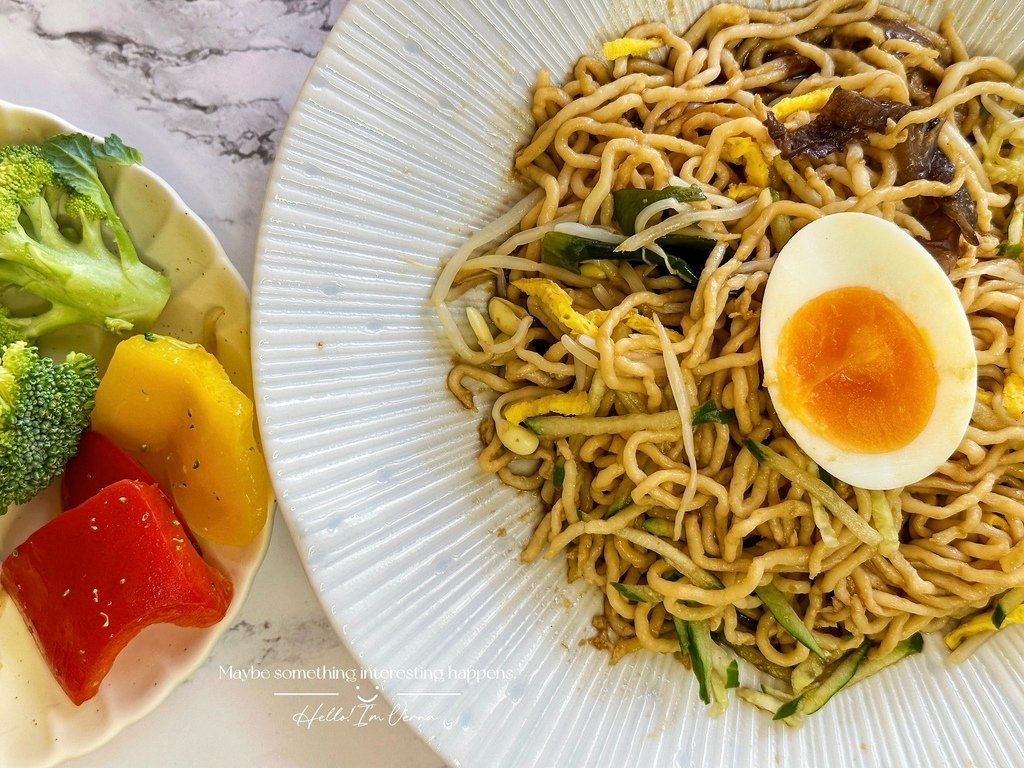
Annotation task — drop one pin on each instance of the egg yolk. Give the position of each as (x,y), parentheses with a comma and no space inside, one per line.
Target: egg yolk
(857,371)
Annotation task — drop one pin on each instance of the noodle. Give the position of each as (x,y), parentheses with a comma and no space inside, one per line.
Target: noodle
(691,513)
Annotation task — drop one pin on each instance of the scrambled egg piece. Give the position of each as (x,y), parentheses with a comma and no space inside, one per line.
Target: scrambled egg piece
(979,624)
(984,396)
(1013,395)
(743,149)
(742,191)
(567,404)
(630,46)
(634,321)
(811,101)
(557,302)
(591,270)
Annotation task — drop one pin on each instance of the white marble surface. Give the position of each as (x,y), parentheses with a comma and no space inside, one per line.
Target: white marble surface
(203,88)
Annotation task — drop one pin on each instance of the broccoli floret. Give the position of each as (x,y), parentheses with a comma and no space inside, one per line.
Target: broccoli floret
(53,212)
(8,332)
(44,408)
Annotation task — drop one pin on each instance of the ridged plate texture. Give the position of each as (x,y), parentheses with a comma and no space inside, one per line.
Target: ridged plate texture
(400,146)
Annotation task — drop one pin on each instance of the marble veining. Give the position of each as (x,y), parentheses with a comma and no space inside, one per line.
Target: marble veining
(212,81)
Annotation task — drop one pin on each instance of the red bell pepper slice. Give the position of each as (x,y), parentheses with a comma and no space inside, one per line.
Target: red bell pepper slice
(98,463)
(91,579)
(101,462)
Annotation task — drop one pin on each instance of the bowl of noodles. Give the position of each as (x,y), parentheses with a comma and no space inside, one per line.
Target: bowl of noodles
(647,376)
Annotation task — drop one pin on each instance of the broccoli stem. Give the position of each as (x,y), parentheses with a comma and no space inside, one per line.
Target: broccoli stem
(84,282)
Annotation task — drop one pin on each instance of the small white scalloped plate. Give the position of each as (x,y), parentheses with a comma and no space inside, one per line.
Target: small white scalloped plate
(39,726)
(400,145)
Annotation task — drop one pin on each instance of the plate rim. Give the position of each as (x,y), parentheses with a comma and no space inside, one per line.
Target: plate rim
(241,591)
(445,748)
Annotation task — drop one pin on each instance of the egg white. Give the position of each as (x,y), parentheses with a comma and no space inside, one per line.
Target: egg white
(856,249)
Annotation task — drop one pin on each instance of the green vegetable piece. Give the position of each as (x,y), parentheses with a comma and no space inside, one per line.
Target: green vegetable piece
(834,679)
(791,707)
(1006,605)
(732,675)
(564,426)
(629,202)
(709,413)
(638,593)
(623,496)
(826,478)
(698,635)
(817,488)
(806,672)
(684,643)
(659,527)
(561,249)
(754,657)
(1010,250)
(777,604)
(910,646)
(558,473)
(71,267)
(44,408)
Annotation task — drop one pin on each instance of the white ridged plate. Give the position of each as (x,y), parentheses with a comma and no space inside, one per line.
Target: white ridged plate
(39,726)
(400,145)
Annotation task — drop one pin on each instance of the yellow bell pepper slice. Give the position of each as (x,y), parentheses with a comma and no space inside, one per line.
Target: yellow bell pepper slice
(172,406)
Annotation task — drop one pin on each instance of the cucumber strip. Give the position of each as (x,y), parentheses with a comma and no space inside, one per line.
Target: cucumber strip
(732,675)
(658,527)
(558,473)
(834,680)
(821,519)
(623,496)
(806,672)
(684,643)
(755,658)
(719,692)
(698,636)
(815,487)
(630,402)
(881,516)
(564,426)
(777,604)
(910,646)
(638,593)
(769,703)
(1006,604)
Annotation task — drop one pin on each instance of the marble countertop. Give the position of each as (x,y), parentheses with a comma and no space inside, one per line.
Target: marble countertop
(204,88)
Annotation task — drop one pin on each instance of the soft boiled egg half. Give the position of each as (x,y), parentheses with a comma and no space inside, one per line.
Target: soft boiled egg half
(867,351)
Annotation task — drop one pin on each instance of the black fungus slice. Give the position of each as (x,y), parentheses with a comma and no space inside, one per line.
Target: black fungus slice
(847,116)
